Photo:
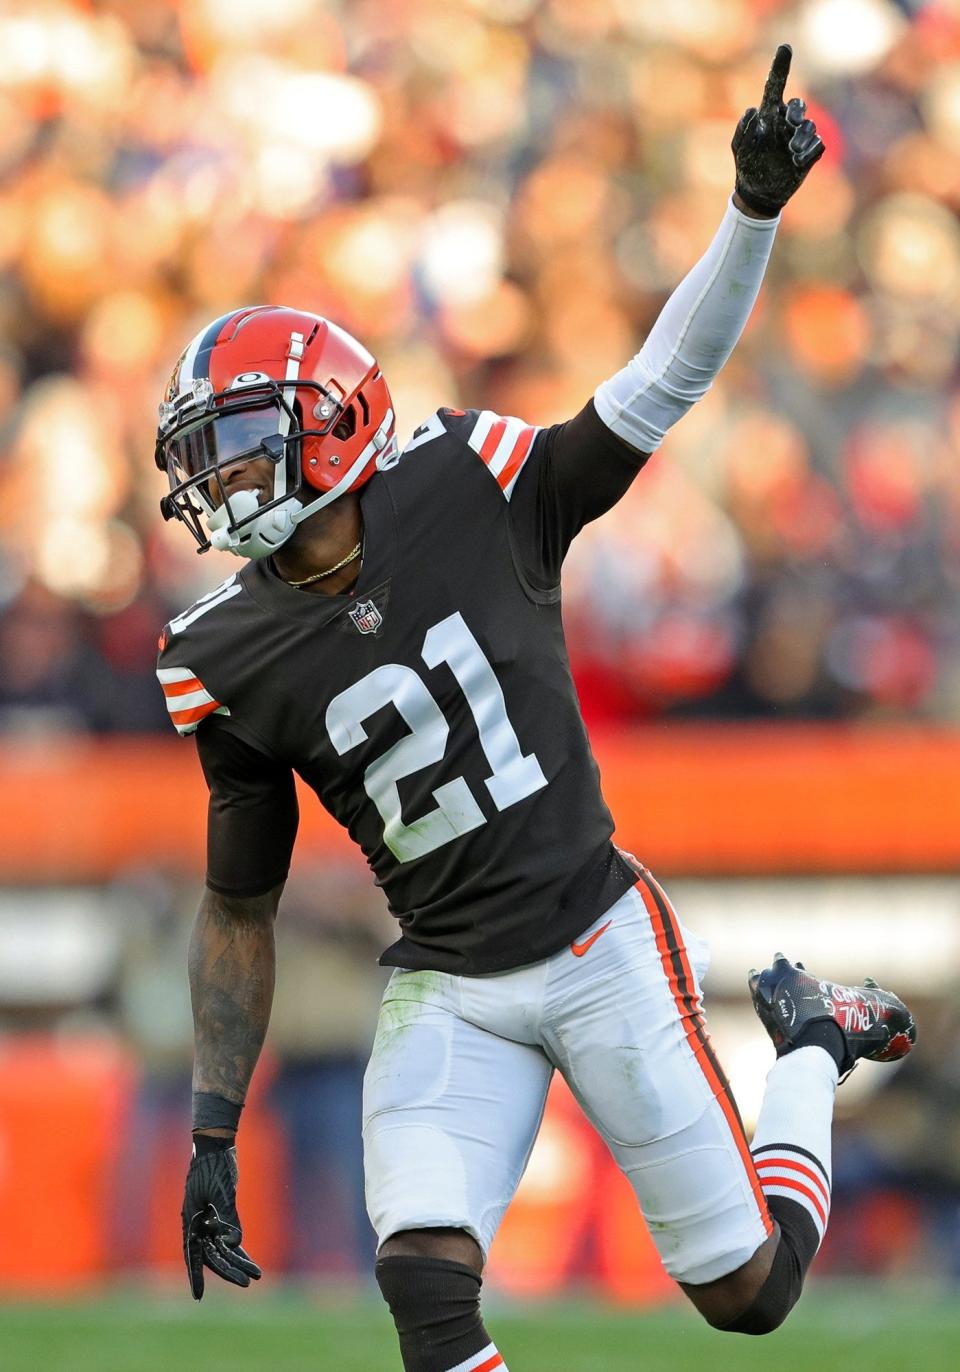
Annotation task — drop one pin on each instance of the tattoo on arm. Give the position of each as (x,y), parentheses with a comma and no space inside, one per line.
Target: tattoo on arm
(232,965)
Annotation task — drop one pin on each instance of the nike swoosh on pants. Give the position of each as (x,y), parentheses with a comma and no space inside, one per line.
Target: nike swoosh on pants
(578,949)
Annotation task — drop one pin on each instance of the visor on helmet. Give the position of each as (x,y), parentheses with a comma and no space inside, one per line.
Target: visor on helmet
(220,439)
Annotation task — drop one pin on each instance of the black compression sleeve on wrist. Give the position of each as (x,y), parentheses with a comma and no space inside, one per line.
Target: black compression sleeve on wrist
(212,1143)
(215,1112)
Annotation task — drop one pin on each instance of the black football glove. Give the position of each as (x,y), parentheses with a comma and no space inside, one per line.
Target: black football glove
(774,146)
(211,1225)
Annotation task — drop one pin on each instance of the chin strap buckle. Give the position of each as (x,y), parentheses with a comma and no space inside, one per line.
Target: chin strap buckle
(224,534)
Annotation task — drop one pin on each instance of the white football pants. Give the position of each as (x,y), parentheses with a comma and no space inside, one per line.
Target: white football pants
(458,1077)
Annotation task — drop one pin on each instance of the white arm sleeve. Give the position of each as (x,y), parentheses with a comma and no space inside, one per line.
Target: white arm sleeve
(694,335)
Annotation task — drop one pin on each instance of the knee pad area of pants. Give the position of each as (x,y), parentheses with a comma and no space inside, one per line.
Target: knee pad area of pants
(430,1297)
(775,1299)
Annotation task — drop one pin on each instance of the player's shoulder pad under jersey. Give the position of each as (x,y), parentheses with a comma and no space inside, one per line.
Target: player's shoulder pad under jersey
(182,653)
(502,443)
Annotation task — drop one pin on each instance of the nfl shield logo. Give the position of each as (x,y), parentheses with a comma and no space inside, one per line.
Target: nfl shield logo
(366,616)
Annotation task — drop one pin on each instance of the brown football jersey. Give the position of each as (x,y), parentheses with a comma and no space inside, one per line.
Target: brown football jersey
(431,709)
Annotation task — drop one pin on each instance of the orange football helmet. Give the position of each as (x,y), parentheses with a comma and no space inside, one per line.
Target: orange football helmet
(276,383)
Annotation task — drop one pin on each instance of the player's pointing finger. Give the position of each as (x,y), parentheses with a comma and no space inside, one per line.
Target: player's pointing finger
(777,80)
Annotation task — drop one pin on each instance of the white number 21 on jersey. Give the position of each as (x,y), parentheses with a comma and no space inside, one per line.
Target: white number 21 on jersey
(513,777)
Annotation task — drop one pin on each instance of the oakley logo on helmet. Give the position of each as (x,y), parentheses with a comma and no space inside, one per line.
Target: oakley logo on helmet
(278,384)
(248,379)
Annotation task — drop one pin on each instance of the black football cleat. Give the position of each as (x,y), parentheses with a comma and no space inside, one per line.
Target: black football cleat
(875,1023)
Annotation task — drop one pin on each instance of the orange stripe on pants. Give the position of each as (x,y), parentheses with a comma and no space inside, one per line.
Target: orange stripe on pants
(673,956)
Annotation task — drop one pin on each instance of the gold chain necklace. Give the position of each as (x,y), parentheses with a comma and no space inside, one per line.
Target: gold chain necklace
(318,576)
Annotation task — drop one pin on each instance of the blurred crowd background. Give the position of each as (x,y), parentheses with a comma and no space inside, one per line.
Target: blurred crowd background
(497,196)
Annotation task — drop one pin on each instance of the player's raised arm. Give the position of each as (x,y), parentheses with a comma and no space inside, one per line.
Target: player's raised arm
(774,147)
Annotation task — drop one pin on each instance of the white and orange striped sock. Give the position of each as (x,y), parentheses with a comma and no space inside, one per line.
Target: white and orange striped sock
(791,1144)
(486,1360)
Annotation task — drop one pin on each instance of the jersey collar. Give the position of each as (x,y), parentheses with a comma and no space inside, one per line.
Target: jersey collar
(379,556)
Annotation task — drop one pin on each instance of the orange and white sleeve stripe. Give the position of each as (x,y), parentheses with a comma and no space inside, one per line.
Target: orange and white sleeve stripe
(504,444)
(187,698)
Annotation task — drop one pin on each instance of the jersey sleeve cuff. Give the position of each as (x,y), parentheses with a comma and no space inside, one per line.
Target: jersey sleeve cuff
(249,892)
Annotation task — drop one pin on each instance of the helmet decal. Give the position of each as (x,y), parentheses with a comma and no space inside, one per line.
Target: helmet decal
(248,379)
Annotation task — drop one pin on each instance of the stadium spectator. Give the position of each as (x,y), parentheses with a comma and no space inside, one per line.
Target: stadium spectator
(796,549)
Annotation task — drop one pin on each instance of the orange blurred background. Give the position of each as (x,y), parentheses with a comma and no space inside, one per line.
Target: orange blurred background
(496,196)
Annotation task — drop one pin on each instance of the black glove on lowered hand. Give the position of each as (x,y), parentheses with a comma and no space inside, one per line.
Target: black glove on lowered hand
(211,1225)
(774,146)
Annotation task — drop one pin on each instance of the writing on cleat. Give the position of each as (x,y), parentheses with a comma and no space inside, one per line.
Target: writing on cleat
(853,1019)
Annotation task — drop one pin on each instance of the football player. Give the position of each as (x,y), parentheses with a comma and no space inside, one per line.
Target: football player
(394,638)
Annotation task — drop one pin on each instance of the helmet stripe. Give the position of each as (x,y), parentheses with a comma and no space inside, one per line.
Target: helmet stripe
(294,358)
(185,374)
(196,360)
(201,365)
